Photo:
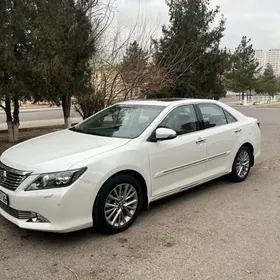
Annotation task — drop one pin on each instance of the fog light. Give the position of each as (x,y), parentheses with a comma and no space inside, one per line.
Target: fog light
(37,218)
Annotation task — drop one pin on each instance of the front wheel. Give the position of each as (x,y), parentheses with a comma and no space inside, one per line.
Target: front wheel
(117,204)
(241,165)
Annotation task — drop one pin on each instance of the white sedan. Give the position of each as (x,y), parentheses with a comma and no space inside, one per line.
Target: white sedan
(103,171)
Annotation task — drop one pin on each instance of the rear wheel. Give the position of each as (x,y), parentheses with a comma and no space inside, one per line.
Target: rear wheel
(117,204)
(241,165)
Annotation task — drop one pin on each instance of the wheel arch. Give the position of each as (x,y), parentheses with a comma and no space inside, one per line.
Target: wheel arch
(251,149)
(139,178)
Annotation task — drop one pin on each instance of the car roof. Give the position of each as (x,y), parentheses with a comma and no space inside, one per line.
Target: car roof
(166,101)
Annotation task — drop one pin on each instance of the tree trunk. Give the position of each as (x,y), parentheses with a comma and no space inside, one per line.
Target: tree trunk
(9,118)
(80,111)
(10,131)
(15,132)
(16,119)
(66,106)
(67,122)
(243,95)
(12,121)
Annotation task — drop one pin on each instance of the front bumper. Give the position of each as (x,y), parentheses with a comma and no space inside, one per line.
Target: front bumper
(67,209)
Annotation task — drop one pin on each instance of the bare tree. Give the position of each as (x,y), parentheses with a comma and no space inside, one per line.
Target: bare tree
(115,80)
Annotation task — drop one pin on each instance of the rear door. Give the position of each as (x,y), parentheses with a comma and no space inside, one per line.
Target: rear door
(223,136)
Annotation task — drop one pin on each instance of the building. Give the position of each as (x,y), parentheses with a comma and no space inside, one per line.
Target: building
(261,57)
(271,57)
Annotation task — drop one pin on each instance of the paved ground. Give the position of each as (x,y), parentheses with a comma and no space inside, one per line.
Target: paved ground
(40,118)
(218,231)
(37,115)
(41,123)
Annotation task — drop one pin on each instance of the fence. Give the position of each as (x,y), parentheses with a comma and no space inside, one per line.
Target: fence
(259,99)
(265,99)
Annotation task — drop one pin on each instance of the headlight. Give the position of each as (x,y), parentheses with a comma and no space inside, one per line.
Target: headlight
(56,180)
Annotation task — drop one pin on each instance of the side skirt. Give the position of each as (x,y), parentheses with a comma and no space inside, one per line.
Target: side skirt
(198,183)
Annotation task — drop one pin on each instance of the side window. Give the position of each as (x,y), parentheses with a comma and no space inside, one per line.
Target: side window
(212,115)
(230,118)
(182,119)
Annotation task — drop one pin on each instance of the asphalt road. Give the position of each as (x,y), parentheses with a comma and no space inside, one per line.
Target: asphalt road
(39,115)
(219,231)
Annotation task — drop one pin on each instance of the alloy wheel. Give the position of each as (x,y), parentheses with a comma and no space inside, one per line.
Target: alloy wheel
(243,164)
(121,205)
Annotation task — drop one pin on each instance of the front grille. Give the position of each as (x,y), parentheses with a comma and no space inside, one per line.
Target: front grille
(18,214)
(11,178)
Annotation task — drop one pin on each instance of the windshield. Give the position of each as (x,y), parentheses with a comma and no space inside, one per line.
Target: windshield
(121,121)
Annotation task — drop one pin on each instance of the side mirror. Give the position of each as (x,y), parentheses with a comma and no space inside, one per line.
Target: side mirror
(165,134)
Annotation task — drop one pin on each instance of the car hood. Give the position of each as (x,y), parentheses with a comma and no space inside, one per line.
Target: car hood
(58,151)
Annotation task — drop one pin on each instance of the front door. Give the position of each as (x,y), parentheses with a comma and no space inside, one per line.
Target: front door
(178,163)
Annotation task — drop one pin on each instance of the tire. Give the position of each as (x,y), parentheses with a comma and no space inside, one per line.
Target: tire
(112,200)
(242,160)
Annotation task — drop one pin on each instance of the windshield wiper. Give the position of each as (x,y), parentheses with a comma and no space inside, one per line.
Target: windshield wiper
(112,127)
(92,133)
(84,131)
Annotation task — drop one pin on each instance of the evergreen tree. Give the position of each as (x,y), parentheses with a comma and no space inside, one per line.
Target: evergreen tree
(65,45)
(268,83)
(16,58)
(134,62)
(189,50)
(245,68)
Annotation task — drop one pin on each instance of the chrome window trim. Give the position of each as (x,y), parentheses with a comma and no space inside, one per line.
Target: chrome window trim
(224,110)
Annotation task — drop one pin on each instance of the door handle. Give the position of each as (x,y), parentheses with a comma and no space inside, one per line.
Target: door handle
(238,130)
(200,140)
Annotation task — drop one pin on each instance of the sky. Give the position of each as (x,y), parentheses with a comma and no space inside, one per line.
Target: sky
(256,19)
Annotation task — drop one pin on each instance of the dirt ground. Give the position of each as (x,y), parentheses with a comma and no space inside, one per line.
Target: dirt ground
(218,231)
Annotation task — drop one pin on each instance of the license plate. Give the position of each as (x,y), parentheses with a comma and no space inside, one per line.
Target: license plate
(4,198)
